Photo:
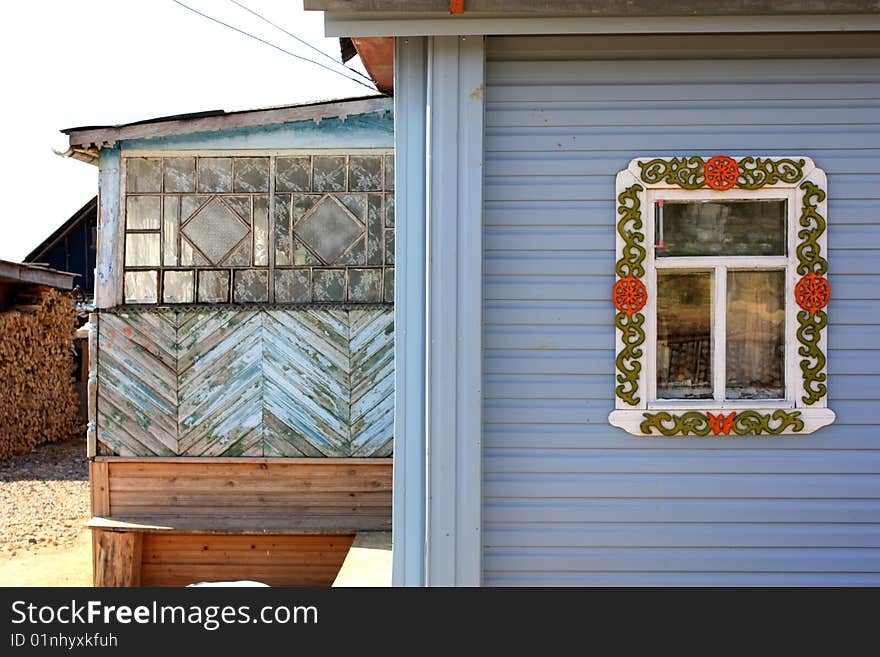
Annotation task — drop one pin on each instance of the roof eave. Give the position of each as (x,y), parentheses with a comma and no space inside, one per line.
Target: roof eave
(88,141)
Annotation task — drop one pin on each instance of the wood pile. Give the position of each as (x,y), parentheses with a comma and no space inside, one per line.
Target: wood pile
(38,403)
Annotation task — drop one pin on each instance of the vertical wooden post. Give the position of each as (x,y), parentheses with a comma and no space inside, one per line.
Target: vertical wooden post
(91,381)
(118,558)
(99,485)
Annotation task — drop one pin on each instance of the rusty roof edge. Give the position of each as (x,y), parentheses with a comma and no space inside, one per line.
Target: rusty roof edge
(98,137)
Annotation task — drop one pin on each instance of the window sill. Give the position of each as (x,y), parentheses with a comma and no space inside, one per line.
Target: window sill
(721,420)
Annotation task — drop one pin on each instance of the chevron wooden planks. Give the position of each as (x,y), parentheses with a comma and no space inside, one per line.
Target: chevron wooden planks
(282,382)
(137,383)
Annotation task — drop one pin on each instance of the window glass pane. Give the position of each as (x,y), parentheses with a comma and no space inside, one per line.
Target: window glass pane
(142,250)
(720,228)
(178,287)
(142,212)
(684,335)
(755,334)
(141,287)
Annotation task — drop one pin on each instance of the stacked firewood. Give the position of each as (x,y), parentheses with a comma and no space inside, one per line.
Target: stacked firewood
(38,403)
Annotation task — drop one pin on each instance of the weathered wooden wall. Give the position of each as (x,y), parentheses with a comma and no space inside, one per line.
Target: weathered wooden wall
(246,382)
(283,522)
(260,493)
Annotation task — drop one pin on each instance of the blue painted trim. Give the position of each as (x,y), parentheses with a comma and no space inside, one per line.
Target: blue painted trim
(455,235)
(359,131)
(408,512)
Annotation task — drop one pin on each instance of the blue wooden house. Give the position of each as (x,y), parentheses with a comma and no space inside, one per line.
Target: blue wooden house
(637,284)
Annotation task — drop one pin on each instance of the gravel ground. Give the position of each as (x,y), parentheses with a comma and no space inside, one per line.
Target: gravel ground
(45,498)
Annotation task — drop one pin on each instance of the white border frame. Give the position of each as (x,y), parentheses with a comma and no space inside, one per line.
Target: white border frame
(629,417)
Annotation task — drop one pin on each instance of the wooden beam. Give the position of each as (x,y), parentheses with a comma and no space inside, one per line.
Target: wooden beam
(99,481)
(322,525)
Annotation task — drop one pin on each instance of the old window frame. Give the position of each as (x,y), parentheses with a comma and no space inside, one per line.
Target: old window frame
(271,267)
(647,180)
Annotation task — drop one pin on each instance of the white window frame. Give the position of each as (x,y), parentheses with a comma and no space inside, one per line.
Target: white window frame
(642,413)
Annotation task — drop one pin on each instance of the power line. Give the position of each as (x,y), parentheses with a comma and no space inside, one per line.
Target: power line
(293,36)
(272,45)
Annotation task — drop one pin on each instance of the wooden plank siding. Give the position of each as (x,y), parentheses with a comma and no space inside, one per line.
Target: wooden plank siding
(570,500)
(252,490)
(280,521)
(246,382)
(181,559)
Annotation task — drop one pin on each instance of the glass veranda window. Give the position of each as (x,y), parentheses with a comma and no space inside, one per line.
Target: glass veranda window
(720,315)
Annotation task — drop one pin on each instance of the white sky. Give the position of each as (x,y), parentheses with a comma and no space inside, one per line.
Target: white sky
(98,62)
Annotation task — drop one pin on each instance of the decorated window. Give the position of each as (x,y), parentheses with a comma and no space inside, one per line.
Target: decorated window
(721,297)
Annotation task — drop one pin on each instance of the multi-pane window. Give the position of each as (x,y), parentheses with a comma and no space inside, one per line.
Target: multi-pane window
(297,228)
(720,280)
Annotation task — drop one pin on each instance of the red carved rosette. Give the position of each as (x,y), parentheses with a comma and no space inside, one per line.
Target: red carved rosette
(721,172)
(812,293)
(630,295)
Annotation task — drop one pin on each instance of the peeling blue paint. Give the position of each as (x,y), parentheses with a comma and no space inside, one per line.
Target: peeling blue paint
(375,130)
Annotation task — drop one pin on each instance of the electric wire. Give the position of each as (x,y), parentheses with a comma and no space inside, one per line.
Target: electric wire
(272,45)
(301,40)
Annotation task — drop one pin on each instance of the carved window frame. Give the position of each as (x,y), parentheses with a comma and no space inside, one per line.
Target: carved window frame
(804,186)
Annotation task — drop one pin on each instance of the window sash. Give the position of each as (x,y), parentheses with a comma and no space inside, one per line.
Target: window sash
(720,265)
(718,313)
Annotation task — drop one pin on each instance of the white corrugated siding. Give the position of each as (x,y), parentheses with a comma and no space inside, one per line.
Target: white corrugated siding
(567,498)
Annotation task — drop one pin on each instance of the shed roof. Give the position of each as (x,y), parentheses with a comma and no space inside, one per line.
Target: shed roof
(86,141)
(18,272)
(85,213)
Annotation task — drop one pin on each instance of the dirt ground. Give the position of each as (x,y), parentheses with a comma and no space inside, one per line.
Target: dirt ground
(45,500)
